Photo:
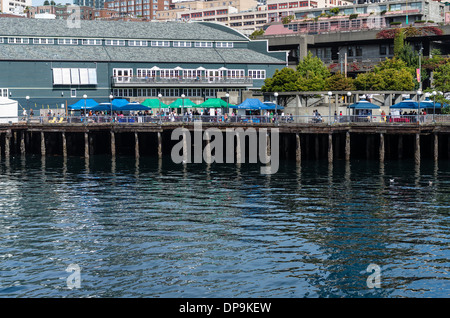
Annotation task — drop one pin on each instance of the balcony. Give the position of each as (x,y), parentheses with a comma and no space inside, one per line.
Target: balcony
(204,81)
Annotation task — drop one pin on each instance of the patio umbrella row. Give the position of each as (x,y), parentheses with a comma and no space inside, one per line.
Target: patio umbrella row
(405,104)
(152,103)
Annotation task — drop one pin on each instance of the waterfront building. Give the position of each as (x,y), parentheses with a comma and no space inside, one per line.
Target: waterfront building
(97,4)
(138,8)
(54,62)
(14,6)
(243,15)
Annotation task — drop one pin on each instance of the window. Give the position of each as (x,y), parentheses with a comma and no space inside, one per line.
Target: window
(358,51)
(257,74)
(235,73)
(137,43)
(115,42)
(169,73)
(73,93)
(18,40)
(122,74)
(181,44)
(192,73)
(383,49)
(161,43)
(92,42)
(203,44)
(68,41)
(145,72)
(74,76)
(43,41)
(224,44)
(3,92)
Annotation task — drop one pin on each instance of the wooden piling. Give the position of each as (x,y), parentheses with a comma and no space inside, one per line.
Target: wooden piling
(22,143)
(417,149)
(7,143)
(42,143)
(330,148)
(382,150)
(64,144)
(113,144)
(86,145)
(436,147)
(298,150)
(159,145)
(136,144)
(347,146)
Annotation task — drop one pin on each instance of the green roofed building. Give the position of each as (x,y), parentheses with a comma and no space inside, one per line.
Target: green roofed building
(58,61)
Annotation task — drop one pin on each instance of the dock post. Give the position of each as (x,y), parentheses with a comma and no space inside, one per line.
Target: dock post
(64,144)
(238,150)
(382,147)
(7,144)
(22,142)
(400,146)
(268,150)
(330,148)
(208,147)
(42,144)
(185,147)
(347,146)
(136,144)
(436,147)
(86,145)
(113,144)
(159,145)
(417,149)
(298,152)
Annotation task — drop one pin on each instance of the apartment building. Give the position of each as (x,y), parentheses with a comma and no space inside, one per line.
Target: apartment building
(14,6)
(139,8)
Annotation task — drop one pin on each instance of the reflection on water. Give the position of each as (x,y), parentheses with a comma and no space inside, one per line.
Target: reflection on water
(149,228)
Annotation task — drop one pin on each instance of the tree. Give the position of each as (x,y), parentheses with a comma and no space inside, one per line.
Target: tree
(441,78)
(399,41)
(312,74)
(46,3)
(281,81)
(256,33)
(338,82)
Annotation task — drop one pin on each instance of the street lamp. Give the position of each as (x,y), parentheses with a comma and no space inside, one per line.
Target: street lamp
(182,108)
(348,95)
(110,102)
(85,117)
(276,104)
(419,92)
(434,104)
(160,116)
(28,98)
(227,95)
(329,107)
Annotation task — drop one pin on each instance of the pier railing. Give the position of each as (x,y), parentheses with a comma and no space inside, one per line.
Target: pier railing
(224,119)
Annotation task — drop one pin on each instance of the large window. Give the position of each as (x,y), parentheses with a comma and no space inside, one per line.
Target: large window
(92,42)
(203,44)
(3,92)
(146,72)
(68,41)
(235,73)
(182,44)
(18,40)
(74,76)
(161,43)
(224,44)
(43,41)
(137,43)
(257,74)
(115,42)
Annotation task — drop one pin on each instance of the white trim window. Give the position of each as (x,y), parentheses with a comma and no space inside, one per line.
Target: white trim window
(3,92)
(203,44)
(192,73)
(169,73)
(137,43)
(115,42)
(160,43)
(43,41)
(182,44)
(68,41)
(145,72)
(235,73)
(74,76)
(257,74)
(18,40)
(92,42)
(224,45)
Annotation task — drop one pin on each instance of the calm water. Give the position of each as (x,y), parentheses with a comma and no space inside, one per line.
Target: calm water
(152,229)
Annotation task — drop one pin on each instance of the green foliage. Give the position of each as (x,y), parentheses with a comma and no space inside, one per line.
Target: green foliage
(335,10)
(256,33)
(287,19)
(338,82)
(353,16)
(312,74)
(441,77)
(399,41)
(281,81)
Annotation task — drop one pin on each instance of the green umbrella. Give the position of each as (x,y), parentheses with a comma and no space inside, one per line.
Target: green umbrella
(153,103)
(214,103)
(179,103)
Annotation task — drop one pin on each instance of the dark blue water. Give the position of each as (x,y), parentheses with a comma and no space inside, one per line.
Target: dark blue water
(155,229)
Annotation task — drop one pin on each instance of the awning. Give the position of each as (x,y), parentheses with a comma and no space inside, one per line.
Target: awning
(406,104)
(363,104)
(83,104)
(215,103)
(182,102)
(153,103)
(250,104)
(133,106)
(272,106)
(427,104)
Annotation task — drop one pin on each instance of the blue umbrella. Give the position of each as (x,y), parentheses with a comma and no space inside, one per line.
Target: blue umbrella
(427,103)
(82,104)
(363,104)
(250,104)
(271,105)
(406,104)
(133,106)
